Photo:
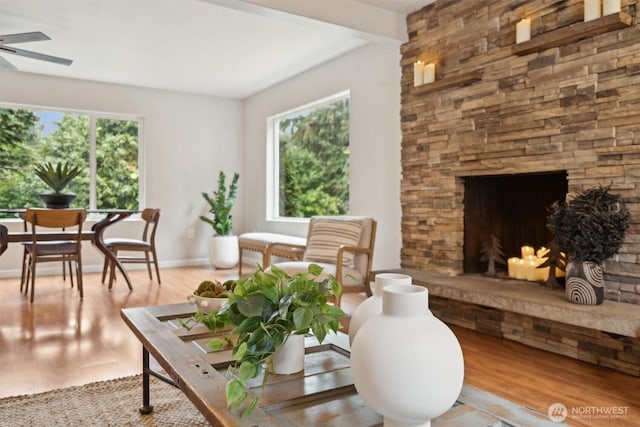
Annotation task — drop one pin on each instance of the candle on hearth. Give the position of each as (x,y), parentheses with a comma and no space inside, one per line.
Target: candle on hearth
(418,76)
(526,251)
(591,10)
(512,265)
(532,274)
(429,73)
(609,7)
(540,253)
(521,269)
(523,30)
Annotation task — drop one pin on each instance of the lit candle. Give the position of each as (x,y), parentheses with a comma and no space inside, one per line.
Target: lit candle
(418,70)
(532,274)
(526,251)
(610,7)
(523,30)
(591,10)
(543,273)
(540,253)
(512,265)
(521,269)
(429,73)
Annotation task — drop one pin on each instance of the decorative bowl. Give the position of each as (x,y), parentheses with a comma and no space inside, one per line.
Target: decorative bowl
(205,304)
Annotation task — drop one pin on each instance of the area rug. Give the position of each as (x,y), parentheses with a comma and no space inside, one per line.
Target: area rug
(106,403)
(116,402)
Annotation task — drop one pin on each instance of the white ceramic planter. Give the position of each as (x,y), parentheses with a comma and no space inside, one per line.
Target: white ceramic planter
(223,251)
(407,365)
(289,359)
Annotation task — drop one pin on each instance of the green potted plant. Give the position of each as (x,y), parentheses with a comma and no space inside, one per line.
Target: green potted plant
(589,229)
(266,313)
(57,177)
(223,249)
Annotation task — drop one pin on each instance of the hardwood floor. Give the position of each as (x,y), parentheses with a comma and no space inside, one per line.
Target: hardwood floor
(60,341)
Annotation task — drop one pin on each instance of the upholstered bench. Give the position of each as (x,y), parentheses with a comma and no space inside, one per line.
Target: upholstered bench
(265,243)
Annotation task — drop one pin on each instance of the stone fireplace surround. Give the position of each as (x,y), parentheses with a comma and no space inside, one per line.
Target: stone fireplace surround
(572,108)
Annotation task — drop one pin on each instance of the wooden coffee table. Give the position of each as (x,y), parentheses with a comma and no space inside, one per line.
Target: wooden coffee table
(324,390)
(323,394)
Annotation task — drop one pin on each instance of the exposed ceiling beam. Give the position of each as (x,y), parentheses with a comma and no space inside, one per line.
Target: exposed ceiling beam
(367,22)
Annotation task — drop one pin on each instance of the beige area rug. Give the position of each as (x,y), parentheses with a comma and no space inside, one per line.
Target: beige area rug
(107,403)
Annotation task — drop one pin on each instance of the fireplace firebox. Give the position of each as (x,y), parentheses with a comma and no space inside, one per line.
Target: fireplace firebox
(513,208)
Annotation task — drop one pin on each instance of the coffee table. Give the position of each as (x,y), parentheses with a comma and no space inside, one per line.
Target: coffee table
(323,394)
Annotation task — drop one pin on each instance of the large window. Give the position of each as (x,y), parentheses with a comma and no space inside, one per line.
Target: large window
(105,147)
(309,167)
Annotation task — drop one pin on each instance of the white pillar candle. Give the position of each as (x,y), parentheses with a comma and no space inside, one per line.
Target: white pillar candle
(523,30)
(526,252)
(521,269)
(430,73)
(591,10)
(512,265)
(610,7)
(418,70)
(532,273)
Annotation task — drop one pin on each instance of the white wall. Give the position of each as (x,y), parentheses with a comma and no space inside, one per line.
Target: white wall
(187,140)
(372,74)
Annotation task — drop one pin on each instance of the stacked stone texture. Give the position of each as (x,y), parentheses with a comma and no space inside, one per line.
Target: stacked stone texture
(573,108)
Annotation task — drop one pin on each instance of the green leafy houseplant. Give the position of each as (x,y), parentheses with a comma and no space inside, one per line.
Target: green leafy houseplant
(591,226)
(56,177)
(263,311)
(220,205)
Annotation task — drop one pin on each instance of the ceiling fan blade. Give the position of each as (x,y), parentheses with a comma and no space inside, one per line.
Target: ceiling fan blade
(34,55)
(35,36)
(6,65)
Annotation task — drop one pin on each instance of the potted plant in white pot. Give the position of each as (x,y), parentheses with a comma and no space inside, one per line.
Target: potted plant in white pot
(590,229)
(267,317)
(223,249)
(57,177)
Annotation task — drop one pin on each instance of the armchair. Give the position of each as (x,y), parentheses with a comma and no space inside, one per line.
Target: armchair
(342,245)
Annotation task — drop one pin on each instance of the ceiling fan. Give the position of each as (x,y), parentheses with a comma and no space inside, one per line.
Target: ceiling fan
(23,38)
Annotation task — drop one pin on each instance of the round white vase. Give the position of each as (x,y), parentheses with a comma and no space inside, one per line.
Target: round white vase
(289,359)
(372,306)
(407,365)
(224,251)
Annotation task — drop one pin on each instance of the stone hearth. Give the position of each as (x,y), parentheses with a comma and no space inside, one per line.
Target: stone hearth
(606,335)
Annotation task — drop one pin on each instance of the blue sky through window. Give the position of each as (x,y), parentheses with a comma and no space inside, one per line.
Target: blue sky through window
(48,120)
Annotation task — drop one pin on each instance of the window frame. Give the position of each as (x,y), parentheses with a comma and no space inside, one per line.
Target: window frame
(93,167)
(272,190)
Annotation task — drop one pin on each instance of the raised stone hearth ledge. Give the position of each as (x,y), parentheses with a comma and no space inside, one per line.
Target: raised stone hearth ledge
(530,299)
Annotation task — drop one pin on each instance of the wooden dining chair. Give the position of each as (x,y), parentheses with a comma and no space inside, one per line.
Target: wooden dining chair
(25,261)
(146,245)
(43,251)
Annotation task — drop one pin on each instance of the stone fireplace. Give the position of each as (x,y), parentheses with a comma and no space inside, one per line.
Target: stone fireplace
(567,111)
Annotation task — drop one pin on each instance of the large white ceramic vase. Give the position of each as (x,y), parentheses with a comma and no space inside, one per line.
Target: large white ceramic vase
(224,251)
(407,365)
(372,306)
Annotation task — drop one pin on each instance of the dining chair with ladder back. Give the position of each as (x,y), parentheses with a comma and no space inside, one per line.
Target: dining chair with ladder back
(25,261)
(146,245)
(65,251)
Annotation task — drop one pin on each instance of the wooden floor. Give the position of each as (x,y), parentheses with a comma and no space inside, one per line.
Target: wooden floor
(60,341)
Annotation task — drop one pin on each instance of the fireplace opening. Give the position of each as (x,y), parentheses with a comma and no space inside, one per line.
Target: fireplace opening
(513,208)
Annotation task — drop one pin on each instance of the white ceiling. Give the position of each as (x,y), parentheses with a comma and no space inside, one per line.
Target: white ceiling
(230,48)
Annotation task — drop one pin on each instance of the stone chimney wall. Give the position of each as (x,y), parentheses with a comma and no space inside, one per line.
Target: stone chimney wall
(491,111)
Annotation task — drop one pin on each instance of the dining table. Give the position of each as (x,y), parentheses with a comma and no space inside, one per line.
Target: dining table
(95,234)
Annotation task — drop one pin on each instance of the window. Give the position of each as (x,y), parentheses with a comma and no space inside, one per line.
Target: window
(309,167)
(106,147)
